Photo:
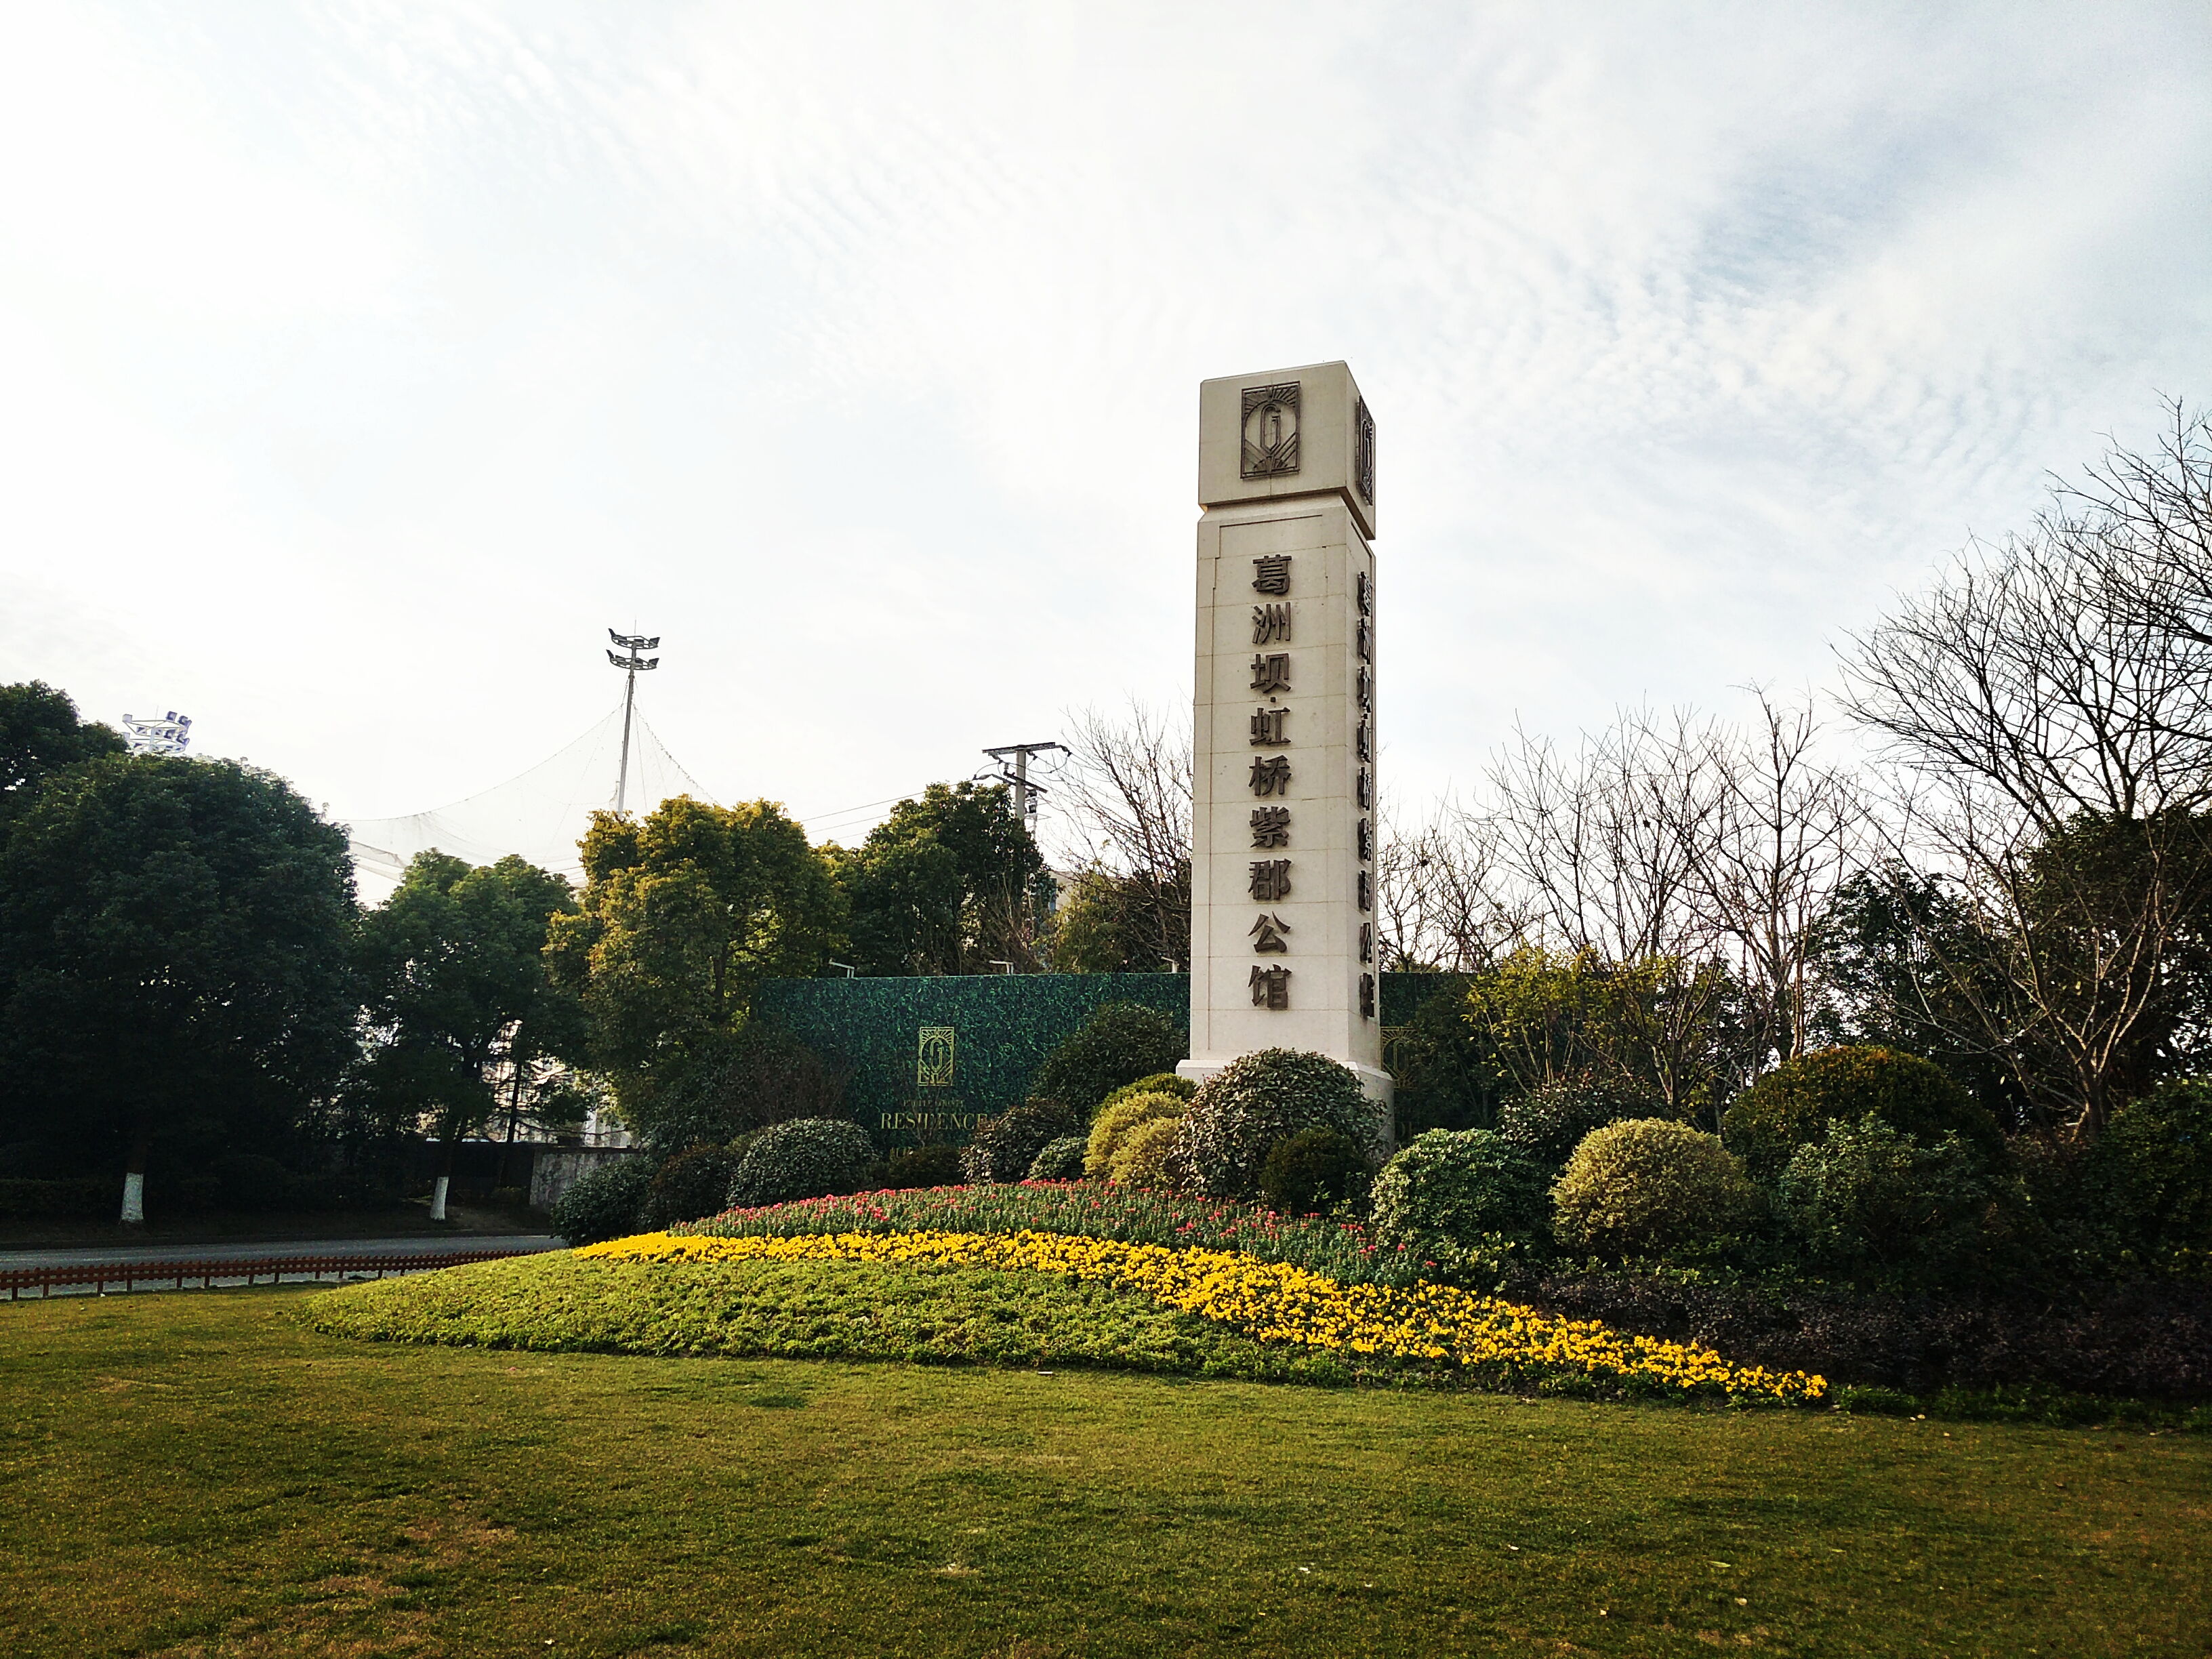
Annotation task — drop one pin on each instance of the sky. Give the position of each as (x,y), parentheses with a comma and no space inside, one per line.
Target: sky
(361,364)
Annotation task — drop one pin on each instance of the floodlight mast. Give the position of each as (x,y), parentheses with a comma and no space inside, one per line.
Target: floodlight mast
(631,661)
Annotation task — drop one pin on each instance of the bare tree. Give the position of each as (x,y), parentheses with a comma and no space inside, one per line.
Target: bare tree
(2047,701)
(1781,831)
(1128,791)
(1436,908)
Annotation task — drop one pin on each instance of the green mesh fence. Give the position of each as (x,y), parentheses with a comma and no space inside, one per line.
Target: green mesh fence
(926,1058)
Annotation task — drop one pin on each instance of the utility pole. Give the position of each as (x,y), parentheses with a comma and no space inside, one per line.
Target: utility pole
(633,664)
(1025,792)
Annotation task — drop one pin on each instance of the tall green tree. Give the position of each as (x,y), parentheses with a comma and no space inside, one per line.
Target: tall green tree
(174,946)
(454,978)
(949,884)
(684,912)
(40,734)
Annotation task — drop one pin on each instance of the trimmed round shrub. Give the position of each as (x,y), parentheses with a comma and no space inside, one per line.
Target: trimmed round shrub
(691,1184)
(1451,1193)
(1548,1123)
(1159,1083)
(806,1158)
(1003,1147)
(1257,1099)
(1060,1160)
(2149,1176)
(605,1203)
(1310,1171)
(1118,1042)
(1146,1155)
(1868,1197)
(922,1166)
(1118,1116)
(1652,1187)
(1793,1104)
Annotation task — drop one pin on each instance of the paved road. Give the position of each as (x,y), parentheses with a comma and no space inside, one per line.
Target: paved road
(70,1255)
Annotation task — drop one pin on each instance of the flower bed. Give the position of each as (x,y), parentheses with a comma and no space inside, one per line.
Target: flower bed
(1340,1250)
(1430,1325)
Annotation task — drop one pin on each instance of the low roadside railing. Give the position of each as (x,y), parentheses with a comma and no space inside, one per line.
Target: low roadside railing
(129,1275)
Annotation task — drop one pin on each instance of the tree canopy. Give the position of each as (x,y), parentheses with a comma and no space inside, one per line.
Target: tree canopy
(40,734)
(173,959)
(454,978)
(684,911)
(949,884)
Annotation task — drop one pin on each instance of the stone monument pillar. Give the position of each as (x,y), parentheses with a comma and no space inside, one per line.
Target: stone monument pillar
(1283,825)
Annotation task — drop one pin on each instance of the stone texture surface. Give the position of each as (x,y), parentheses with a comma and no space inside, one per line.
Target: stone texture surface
(1315,518)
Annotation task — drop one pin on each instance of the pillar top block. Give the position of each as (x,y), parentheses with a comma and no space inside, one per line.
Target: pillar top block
(1283,432)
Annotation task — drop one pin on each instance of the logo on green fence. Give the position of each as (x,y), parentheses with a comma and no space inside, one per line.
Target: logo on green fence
(934,1067)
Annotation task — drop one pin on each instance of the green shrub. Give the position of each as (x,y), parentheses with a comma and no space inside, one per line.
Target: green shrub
(694,1183)
(2149,1176)
(921,1166)
(605,1204)
(1866,1197)
(807,1157)
(1003,1147)
(250,1181)
(1311,1171)
(1122,1112)
(1146,1155)
(84,1198)
(1257,1099)
(1059,1160)
(1548,1123)
(1652,1187)
(1118,1042)
(1460,1199)
(1159,1083)
(1793,1104)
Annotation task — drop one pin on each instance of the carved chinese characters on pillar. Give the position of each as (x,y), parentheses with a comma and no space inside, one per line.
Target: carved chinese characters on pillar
(1271,987)
(1271,826)
(1362,735)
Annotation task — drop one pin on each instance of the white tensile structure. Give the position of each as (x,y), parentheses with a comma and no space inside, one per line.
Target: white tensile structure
(1282,815)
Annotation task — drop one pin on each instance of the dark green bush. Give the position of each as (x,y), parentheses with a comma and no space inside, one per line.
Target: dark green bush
(1310,1171)
(1257,1099)
(1059,1160)
(1548,1123)
(88,1198)
(694,1183)
(921,1166)
(1460,1199)
(807,1157)
(1003,1147)
(1866,1198)
(249,1182)
(1793,1105)
(2149,1178)
(1159,1083)
(1118,1042)
(1446,1070)
(1652,1187)
(605,1204)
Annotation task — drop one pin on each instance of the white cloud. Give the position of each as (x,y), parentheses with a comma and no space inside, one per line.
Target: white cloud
(853,349)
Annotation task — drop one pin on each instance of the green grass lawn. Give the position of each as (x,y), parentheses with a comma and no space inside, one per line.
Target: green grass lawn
(202,1474)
